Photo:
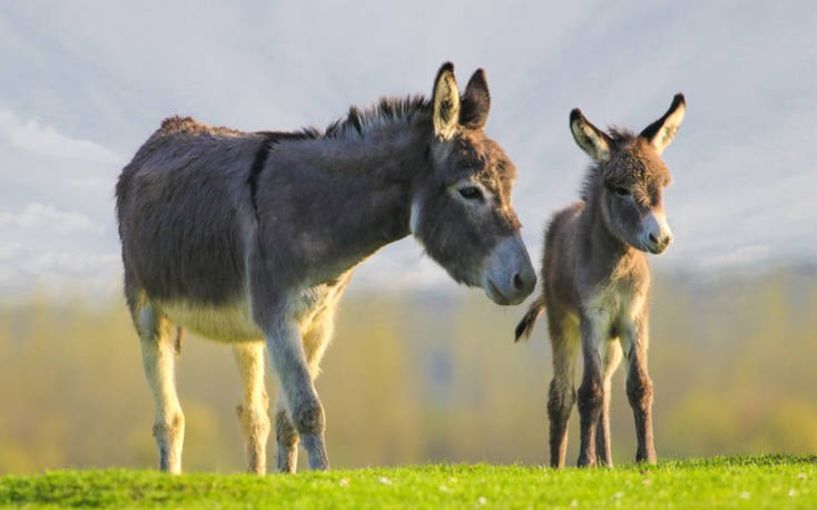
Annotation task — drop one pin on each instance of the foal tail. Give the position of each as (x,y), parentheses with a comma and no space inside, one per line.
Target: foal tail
(177,342)
(525,326)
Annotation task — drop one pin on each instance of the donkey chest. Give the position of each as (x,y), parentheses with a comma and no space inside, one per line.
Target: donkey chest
(614,307)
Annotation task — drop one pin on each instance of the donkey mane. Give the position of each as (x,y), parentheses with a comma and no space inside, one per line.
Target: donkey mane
(388,110)
(358,123)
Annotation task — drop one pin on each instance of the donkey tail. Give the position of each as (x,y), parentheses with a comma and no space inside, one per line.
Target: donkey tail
(525,326)
(177,342)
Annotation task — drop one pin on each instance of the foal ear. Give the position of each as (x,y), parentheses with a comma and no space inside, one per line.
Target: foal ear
(591,139)
(446,113)
(476,102)
(661,132)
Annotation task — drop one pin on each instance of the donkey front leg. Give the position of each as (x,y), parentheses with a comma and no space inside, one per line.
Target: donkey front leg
(610,361)
(315,341)
(305,411)
(253,412)
(640,389)
(158,359)
(591,390)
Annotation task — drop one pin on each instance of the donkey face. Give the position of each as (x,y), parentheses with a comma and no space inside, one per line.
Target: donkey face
(629,180)
(462,213)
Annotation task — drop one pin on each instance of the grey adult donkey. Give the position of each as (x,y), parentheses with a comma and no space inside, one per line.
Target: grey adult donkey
(251,238)
(596,283)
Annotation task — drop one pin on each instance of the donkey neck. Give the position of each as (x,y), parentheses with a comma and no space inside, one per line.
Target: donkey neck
(346,196)
(605,255)
(384,165)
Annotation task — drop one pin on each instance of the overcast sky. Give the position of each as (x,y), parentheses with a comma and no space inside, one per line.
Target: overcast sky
(84,83)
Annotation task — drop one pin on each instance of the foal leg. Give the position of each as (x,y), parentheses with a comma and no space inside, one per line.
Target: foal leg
(610,361)
(158,358)
(591,391)
(252,413)
(564,341)
(640,389)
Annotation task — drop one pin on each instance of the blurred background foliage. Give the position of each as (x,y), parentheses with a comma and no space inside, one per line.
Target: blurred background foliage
(422,377)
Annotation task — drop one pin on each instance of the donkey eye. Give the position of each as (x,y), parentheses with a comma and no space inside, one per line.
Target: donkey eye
(470,193)
(621,191)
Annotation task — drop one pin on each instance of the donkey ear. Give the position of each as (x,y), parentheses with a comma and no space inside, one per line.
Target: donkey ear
(591,139)
(661,132)
(476,102)
(446,112)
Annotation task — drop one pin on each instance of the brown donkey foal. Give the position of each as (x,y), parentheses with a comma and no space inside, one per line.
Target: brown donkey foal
(596,283)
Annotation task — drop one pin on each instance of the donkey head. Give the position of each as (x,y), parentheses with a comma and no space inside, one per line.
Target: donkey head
(462,212)
(629,178)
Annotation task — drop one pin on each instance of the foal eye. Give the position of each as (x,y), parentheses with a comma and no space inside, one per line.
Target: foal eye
(621,191)
(470,193)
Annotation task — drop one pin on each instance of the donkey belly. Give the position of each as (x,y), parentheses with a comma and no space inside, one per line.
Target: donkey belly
(227,323)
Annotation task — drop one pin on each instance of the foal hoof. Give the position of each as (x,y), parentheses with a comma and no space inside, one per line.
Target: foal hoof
(648,459)
(586,462)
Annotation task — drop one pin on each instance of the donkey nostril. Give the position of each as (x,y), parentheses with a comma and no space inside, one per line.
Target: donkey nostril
(653,238)
(518,283)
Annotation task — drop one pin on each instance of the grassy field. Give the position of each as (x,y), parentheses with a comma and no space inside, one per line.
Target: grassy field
(756,482)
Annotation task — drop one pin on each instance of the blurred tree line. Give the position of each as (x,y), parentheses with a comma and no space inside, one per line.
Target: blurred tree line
(422,377)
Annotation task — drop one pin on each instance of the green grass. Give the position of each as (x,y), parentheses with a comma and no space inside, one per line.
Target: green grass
(756,482)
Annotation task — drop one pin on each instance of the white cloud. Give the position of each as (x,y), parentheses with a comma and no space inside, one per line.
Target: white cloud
(10,251)
(6,273)
(72,264)
(46,217)
(90,184)
(46,140)
(59,271)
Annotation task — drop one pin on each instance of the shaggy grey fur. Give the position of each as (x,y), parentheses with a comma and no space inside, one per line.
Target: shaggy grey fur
(249,236)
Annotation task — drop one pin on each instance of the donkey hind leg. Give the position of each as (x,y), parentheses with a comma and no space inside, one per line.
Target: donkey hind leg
(253,412)
(158,358)
(315,341)
(564,339)
(286,437)
(610,362)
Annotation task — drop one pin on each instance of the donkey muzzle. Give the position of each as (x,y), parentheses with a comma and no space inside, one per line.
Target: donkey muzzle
(509,276)
(656,235)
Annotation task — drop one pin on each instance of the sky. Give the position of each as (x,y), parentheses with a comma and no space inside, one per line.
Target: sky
(84,83)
